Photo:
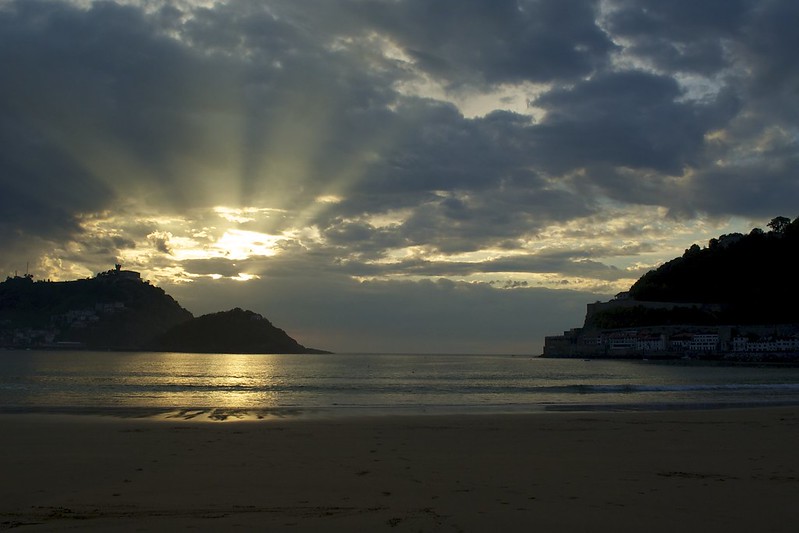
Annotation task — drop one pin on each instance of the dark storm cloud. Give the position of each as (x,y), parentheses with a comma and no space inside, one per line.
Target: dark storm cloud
(680,35)
(731,190)
(490,41)
(488,219)
(109,110)
(768,48)
(41,189)
(362,238)
(72,79)
(235,69)
(757,37)
(82,82)
(358,262)
(627,119)
(115,73)
(160,242)
(492,216)
(570,263)
(746,50)
(562,266)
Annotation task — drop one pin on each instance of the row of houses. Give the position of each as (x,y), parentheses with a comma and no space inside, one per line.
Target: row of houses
(665,341)
(766,344)
(23,337)
(74,319)
(644,341)
(80,318)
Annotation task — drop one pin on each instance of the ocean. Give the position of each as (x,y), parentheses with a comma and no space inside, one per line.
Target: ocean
(225,386)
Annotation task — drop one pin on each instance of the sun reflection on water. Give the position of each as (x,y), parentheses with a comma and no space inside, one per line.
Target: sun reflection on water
(229,381)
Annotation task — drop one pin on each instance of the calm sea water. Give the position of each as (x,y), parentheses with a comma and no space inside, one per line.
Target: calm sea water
(223,385)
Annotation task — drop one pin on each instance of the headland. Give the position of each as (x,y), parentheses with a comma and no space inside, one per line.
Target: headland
(118,310)
(733,300)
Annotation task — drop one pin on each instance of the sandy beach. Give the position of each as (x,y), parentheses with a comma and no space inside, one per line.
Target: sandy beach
(718,470)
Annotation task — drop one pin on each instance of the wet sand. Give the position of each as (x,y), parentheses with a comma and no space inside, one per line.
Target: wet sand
(730,470)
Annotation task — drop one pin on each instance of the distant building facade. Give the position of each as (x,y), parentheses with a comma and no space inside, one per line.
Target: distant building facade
(676,341)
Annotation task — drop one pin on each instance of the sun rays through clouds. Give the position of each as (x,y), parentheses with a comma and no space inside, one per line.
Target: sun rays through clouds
(396,149)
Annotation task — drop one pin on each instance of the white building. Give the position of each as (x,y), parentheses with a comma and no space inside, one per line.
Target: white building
(623,340)
(704,342)
(651,343)
(766,344)
(681,342)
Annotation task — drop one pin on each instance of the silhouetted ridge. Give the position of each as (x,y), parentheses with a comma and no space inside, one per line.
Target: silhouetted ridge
(734,300)
(116,310)
(234,331)
(750,275)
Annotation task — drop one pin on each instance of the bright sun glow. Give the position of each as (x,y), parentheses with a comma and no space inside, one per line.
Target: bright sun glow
(240,244)
(244,214)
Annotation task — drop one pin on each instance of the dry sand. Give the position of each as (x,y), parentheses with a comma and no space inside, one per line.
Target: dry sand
(724,470)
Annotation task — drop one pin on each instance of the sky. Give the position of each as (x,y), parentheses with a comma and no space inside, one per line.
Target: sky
(450,176)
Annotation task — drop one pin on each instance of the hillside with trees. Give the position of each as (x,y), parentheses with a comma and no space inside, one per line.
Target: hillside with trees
(733,300)
(750,276)
(236,331)
(117,310)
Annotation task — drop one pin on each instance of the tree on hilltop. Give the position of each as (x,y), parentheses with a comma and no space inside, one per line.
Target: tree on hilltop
(749,274)
(778,225)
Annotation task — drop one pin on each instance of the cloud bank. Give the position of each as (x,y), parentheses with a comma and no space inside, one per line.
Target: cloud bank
(391,175)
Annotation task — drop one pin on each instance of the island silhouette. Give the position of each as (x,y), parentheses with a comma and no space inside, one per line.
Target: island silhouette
(117,310)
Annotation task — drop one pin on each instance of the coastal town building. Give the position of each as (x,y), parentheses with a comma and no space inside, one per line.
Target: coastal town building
(622,340)
(704,342)
(650,342)
(687,340)
(52,326)
(766,344)
(676,341)
(681,342)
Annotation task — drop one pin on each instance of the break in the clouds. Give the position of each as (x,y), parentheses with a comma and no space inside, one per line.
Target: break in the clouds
(395,171)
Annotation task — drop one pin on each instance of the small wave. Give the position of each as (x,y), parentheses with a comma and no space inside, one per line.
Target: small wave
(700,387)
(441,390)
